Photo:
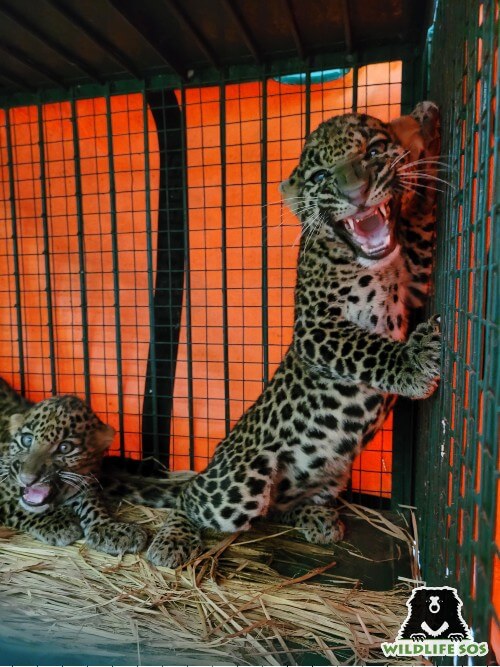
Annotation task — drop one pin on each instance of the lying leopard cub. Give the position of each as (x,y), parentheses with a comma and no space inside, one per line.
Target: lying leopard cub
(365,260)
(49,456)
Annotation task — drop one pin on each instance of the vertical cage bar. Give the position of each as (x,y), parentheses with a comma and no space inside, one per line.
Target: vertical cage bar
(355,74)
(264,239)
(116,270)
(149,255)
(189,339)
(46,250)
(81,249)
(15,248)
(225,323)
(308,98)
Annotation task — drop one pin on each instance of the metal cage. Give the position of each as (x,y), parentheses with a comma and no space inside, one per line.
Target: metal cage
(457,471)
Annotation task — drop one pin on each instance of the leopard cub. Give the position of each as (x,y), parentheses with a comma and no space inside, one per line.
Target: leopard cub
(50,454)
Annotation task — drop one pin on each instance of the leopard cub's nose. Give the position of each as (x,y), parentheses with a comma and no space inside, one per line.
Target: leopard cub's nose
(353,180)
(27,478)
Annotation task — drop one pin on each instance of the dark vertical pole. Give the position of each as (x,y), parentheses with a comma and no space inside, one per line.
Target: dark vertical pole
(264,241)
(150,437)
(187,265)
(225,322)
(81,249)
(116,271)
(15,248)
(46,251)
(167,293)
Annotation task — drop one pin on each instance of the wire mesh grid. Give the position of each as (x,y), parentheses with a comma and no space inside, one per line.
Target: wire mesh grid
(458,483)
(150,264)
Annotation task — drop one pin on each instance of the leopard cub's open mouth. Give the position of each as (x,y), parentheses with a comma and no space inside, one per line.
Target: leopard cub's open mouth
(372,230)
(36,497)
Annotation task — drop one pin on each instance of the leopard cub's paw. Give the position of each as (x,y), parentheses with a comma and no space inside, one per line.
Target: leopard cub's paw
(321,525)
(170,549)
(424,353)
(116,538)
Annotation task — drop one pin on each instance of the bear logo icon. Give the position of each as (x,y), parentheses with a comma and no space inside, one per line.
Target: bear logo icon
(434,613)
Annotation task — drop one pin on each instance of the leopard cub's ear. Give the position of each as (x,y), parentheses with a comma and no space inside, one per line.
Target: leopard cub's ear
(15,423)
(103,436)
(290,189)
(408,132)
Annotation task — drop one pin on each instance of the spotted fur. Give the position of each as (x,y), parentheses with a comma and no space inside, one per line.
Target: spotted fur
(51,452)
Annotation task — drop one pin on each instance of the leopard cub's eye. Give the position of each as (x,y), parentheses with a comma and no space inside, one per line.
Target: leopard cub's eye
(377,148)
(318,176)
(65,447)
(27,439)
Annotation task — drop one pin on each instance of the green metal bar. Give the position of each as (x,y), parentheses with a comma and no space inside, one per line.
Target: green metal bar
(189,341)
(22,57)
(207,76)
(355,87)
(116,271)
(99,40)
(308,100)
(264,239)
(46,251)
(15,250)
(463,412)
(484,331)
(224,286)
(18,83)
(81,249)
(58,47)
(150,269)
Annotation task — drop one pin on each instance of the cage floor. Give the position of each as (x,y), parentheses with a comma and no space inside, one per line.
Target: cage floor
(264,597)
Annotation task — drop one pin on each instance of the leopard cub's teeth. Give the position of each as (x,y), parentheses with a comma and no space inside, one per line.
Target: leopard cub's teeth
(350,222)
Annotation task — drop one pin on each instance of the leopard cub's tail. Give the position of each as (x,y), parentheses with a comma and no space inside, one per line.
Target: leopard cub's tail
(145,482)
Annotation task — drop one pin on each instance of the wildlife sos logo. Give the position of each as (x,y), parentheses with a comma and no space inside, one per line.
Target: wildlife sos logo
(434,627)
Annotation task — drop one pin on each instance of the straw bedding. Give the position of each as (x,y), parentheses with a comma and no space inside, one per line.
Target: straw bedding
(233,605)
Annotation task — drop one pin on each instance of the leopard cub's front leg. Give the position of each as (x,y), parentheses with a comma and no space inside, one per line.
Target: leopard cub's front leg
(59,527)
(410,368)
(177,541)
(319,524)
(104,533)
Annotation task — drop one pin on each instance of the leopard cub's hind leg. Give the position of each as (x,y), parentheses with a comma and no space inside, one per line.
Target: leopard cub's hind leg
(319,524)
(177,541)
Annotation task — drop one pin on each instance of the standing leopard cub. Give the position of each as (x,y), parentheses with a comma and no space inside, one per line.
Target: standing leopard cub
(360,192)
(50,453)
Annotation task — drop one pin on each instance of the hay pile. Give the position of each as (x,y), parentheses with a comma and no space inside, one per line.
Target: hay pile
(230,606)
